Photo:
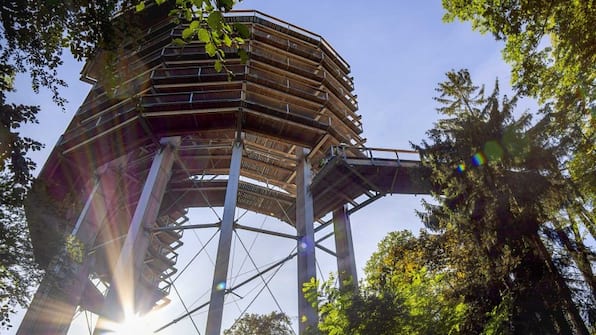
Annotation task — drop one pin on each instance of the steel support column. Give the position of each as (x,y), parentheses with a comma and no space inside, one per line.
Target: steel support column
(121,295)
(60,291)
(306,241)
(344,248)
(220,276)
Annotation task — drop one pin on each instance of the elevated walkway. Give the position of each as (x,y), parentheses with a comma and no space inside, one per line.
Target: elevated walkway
(352,173)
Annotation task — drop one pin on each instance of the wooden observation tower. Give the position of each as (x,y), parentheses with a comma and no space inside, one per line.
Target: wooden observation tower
(280,137)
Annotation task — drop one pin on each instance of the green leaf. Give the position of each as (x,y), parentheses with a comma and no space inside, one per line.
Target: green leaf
(179,41)
(187,33)
(194,25)
(242,30)
(216,39)
(215,20)
(243,55)
(159,2)
(227,41)
(225,5)
(139,7)
(218,65)
(188,14)
(204,35)
(211,49)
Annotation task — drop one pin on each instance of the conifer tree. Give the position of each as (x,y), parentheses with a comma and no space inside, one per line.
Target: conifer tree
(497,184)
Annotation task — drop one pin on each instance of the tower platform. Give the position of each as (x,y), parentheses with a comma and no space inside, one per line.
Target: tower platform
(278,135)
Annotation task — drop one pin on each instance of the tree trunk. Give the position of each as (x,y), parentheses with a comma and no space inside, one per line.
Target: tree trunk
(578,252)
(569,306)
(587,220)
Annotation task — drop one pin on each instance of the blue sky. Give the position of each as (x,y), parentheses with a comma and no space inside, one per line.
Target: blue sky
(398,51)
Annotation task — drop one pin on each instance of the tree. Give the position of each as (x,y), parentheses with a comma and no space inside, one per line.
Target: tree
(551,46)
(274,323)
(416,269)
(497,183)
(18,270)
(406,291)
(362,312)
(14,163)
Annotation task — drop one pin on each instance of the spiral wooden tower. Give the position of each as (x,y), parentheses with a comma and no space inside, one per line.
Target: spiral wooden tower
(279,135)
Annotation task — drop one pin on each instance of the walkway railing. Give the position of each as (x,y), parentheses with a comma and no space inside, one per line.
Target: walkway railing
(346,151)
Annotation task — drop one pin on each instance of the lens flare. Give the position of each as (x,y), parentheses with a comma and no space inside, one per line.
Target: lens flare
(479,159)
(461,167)
(304,245)
(221,286)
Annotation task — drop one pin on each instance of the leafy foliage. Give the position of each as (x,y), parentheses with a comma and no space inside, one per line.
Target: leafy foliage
(405,292)
(274,323)
(416,269)
(345,311)
(18,270)
(551,46)
(13,147)
(35,34)
(206,24)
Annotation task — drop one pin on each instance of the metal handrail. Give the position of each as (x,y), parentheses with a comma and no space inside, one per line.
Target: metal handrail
(342,150)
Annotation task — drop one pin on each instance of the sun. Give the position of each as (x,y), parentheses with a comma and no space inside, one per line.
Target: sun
(133,324)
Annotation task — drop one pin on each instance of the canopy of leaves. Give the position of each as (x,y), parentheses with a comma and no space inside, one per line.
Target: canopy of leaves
(18,270)
(34,35)
(206,24)
(405,292)
(274,323)
(13,147)
(551,46)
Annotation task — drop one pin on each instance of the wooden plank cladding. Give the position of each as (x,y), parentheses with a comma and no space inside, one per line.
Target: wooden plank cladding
(294,88)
